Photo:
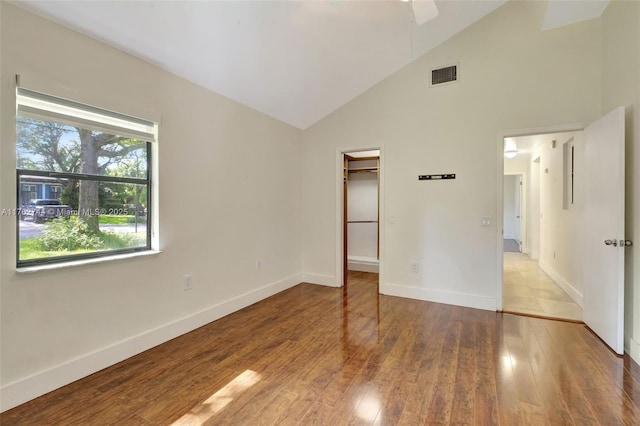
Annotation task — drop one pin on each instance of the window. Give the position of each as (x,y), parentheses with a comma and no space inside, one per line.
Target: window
(27,193)
(568,158)
(84,181)
(55,192)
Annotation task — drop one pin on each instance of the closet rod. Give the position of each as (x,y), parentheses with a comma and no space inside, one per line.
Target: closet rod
(364,169)
(362,221)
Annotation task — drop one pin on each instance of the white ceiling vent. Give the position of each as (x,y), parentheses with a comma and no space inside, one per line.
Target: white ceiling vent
(444,75)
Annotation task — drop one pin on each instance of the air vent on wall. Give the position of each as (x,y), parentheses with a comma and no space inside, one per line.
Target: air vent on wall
(444,75)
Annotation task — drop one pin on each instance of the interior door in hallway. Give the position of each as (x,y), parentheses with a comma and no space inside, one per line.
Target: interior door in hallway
(520,210)
(512,211)
(604,233)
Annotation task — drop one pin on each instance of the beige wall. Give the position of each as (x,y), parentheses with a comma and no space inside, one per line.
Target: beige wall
(561,229)
(621,86)
(512,76)
(229,193)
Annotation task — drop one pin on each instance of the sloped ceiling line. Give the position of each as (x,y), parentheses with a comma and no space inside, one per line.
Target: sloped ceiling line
(296,61)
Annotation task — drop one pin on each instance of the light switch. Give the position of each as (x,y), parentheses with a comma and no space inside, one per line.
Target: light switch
(486,220)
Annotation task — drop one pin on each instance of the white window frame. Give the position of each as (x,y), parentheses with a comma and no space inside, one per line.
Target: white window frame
(40,106)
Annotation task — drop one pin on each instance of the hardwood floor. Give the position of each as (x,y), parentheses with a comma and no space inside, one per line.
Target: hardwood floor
(308,356)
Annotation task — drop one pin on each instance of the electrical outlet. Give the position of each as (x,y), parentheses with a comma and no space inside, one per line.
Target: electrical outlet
(188,282)
(415,267)
(259,264)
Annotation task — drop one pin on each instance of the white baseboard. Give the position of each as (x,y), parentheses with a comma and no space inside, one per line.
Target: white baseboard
(632,347)
(564,284)
(440,296)
(363,266)
(328,280)
(28,388)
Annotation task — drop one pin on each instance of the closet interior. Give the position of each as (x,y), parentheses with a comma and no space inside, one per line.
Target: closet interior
(363,211)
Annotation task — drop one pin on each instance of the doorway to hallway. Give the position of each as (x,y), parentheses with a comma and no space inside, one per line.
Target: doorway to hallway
(542,210)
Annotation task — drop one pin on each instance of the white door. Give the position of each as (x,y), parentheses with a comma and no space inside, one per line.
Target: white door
(519,221)
(509,208)
(603,293)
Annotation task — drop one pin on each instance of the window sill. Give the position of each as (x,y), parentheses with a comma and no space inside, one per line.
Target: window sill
(71,264)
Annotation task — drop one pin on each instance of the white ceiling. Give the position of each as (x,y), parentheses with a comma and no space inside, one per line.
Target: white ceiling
(526,145)
(296,61)
(364,154)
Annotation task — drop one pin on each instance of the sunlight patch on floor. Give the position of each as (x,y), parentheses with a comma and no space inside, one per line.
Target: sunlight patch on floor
(216,402)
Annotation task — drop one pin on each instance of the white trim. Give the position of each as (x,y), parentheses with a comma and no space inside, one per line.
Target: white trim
(499,225)
(46,107)
(363,266)
(562,283)
(83,262)
(339,231)
(632,347)
(23,390)
(440,296)
(321,279)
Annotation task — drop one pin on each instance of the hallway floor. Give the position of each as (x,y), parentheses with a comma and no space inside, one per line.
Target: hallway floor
(529,290)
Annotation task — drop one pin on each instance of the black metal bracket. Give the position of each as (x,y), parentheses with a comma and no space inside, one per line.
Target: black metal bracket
(437,177)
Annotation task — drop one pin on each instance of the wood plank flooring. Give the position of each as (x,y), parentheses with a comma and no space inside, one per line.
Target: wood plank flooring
(309,356)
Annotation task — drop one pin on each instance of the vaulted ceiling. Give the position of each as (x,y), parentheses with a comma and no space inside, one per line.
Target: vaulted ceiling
(296,61)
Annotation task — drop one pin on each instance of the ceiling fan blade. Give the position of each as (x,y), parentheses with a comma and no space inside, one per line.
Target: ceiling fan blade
(424,10)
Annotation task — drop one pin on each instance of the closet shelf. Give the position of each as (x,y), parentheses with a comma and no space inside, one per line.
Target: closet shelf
(363,169)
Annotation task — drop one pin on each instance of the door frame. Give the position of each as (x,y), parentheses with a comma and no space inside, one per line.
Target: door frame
(499,223)
(534,219)
(339,262)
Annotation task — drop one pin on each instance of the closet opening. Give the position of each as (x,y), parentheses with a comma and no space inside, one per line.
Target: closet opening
(361,214)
